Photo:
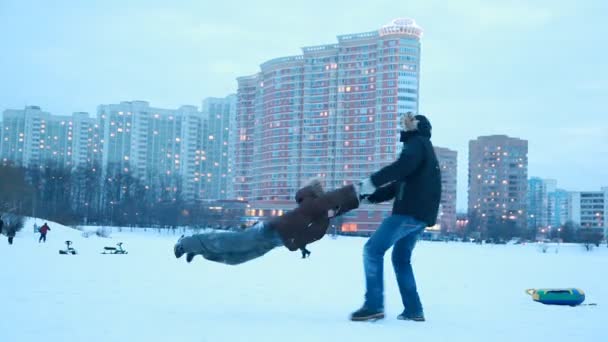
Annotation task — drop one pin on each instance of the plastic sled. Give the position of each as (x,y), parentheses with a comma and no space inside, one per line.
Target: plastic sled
(568,296)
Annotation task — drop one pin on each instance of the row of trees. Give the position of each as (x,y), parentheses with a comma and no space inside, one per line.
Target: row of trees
(572,232)
(504,230)
(496,229)
(86,196)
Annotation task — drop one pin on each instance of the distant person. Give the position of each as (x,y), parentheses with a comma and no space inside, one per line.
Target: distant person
(43,230)
(8,230)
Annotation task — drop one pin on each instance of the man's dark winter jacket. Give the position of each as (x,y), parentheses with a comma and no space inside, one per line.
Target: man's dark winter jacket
(413,180)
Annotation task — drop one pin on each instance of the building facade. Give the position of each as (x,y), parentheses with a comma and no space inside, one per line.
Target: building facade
(538,202)
(550,207)
(448,162)
(219,115)
(162,147)
(32,137)
(589,209)
(331,113)
(248,100)
(559,211)
(498,181)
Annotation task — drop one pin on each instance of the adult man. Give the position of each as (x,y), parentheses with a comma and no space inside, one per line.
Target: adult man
(414,182)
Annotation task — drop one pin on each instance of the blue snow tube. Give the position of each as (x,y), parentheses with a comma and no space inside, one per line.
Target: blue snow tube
(570,296)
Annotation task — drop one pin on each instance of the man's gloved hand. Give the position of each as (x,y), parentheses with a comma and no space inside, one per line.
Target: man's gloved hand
(364,200)
(366,188)
(331,212)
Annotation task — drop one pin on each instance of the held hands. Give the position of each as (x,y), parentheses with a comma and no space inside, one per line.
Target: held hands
(365,200)
(331,213)
(366,187)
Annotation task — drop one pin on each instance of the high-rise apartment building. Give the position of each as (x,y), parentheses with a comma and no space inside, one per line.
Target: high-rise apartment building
(32,137)
(559,202)
(590,209)
(498,180)
(331,112)
(218,142)
(448,162)
(160,146)
(538,203)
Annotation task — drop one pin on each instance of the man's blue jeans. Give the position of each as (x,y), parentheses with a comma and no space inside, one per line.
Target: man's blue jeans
(402,232)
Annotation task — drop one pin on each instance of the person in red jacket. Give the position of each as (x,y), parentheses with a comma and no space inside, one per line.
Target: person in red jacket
(43,230)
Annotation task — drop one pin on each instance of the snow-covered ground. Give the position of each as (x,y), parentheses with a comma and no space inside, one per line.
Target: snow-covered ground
(470,293)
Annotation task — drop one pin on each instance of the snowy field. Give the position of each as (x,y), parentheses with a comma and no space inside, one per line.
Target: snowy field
(469,292)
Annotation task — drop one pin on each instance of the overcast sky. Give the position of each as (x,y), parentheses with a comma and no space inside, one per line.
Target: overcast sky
(536,70)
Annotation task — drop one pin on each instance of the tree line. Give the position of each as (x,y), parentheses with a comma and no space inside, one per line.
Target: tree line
(505,230)
(86,195)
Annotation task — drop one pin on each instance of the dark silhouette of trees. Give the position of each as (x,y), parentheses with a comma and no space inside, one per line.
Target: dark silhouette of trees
(87,195)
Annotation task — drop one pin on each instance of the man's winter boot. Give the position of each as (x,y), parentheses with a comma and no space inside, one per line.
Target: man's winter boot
(365,314)
(415,318)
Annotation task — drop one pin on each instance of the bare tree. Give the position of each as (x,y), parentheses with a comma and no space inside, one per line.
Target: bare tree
(590,238)
(15,192)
